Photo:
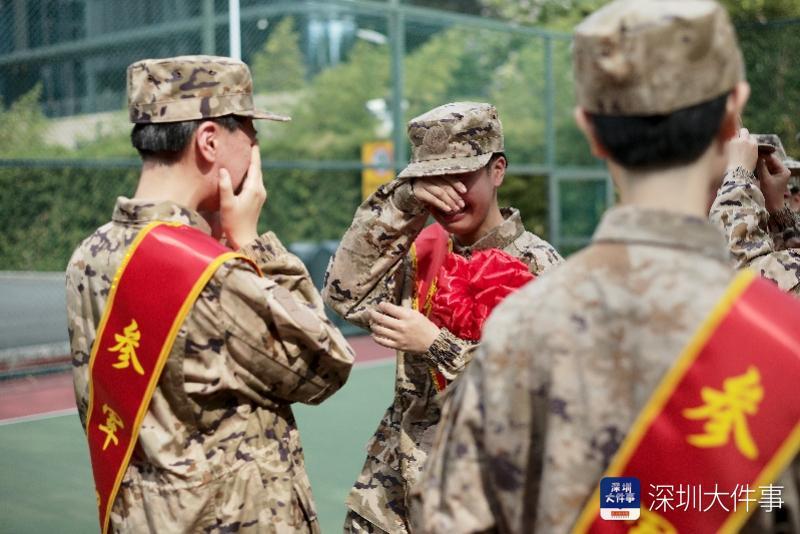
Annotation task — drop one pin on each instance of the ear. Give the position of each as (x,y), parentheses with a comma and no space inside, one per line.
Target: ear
(498,171)
(206,141)
(585,125)
(734,105)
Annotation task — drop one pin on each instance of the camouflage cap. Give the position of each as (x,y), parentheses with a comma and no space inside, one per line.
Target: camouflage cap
(654,57)
(191,87)
(774,141)
(454,138)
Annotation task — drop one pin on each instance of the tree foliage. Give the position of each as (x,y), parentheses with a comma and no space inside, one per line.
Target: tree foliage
(743,11)
(564,14)
(24,126)
(331,121)
(279,66)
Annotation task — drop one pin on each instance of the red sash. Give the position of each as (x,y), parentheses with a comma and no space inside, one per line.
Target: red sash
(428,253)
(724,419)
(154,288)
(456,293)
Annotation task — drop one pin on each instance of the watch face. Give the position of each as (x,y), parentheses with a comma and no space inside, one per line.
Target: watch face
(764,149)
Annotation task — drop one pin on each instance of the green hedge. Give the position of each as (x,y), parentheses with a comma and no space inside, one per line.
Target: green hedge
(46,212)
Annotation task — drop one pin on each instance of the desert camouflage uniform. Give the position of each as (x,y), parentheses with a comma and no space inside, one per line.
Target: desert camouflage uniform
(372,265)
(564,367)
(756,239)
(219,449)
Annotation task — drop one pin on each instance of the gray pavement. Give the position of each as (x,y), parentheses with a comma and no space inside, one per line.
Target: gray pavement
(33,322)
(32,311)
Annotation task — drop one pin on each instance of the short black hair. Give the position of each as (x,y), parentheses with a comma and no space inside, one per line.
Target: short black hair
(660,141)
(495,157)
(166,141)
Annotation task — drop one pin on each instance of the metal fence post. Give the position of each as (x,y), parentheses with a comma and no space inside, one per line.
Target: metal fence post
(234,29)
(397,40)
(554,213)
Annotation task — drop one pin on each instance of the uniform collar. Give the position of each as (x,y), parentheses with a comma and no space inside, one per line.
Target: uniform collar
(499,237)
(641,226)
(140,212)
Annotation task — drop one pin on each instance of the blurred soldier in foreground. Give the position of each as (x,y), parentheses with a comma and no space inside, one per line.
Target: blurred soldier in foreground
(751,209)
(426,293)
(644,355)
(186,354)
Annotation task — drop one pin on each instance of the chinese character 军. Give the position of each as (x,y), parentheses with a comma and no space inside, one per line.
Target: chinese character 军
(126,346)
(113,422)
(726,412)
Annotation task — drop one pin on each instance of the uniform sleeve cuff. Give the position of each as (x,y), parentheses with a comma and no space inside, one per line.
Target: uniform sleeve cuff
(446,347)
(782,219)
(405,200)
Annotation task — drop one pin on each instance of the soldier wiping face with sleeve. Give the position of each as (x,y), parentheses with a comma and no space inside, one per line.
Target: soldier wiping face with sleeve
(415,288)
(187,354)
(645,355)
(762,231)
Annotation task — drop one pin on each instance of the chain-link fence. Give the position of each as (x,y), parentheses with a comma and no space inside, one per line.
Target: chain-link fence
(350,72)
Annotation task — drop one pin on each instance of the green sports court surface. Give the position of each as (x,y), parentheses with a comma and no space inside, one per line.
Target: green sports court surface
(46,482)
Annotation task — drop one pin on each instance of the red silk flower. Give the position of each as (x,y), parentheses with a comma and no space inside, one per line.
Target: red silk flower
(468,290)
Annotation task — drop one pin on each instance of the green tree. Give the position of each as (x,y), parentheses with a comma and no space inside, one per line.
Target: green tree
(25,123)
(329,122)
(762,10)
(518,91)
(430,71)
(563,15)
(279,65)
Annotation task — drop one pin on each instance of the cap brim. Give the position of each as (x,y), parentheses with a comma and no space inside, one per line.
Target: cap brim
(438,167)
(793,166)
(265,115)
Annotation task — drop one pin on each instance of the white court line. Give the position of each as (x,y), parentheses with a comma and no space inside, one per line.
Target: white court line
(32,275)
(72,411)
(39,416)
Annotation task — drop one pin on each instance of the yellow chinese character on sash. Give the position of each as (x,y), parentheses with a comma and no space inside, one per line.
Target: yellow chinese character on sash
(113,422)
(726,412)
(652,523)
(126,346)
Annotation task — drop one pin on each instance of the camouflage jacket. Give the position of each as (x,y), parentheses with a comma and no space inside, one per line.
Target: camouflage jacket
(218,449)
(372,265)
(532,424)
(756,239)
